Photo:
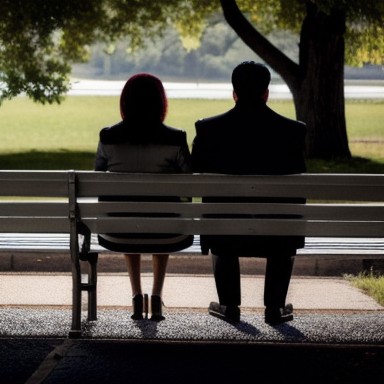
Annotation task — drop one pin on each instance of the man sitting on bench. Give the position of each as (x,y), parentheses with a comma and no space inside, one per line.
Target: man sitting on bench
(250,139)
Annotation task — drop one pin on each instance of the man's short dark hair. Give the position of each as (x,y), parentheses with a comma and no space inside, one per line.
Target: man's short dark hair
(250,79)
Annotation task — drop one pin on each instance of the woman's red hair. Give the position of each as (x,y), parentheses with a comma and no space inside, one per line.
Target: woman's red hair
(143,97)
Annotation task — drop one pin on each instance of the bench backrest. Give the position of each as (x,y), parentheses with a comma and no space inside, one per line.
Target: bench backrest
(361,216)
(24,209)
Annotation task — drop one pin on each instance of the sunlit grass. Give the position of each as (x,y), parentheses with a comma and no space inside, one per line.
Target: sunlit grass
(369,284)
(65,136)
(365,120)
(373,150)
(75,124)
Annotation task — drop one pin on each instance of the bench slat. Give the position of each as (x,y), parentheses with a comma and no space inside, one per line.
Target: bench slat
(236,227)
(311,186)
(33,208)
(34,225)
(338,247)
(357,212)
(34,183)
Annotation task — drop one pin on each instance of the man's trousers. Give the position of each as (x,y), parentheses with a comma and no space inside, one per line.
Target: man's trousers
(226,270)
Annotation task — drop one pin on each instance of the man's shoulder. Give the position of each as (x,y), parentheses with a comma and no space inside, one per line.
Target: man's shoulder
(286,120)
(213,121)
(286,127)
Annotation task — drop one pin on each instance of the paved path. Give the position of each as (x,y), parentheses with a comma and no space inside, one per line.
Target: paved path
(180,291)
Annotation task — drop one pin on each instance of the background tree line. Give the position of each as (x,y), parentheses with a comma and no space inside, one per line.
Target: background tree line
(219,51)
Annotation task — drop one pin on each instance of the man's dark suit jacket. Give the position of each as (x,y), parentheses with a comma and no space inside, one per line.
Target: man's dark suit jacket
(250,139)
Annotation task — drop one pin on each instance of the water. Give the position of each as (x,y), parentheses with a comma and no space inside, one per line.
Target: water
(211,91)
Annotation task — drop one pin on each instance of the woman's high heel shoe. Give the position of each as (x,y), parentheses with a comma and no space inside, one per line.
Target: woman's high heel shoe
(137,304)
(157,308)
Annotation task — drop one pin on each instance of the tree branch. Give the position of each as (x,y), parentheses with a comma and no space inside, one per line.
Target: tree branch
(278,61)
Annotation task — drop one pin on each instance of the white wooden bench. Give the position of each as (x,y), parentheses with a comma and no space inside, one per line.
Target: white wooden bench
(356,211)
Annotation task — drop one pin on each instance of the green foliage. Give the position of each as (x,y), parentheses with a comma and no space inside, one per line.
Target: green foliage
(274,14)
(364,23)
(38,43)
(41,39)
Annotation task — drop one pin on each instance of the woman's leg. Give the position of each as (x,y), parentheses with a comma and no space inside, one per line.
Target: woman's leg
(133,262)
(159,263)
(134,270)
(159,268)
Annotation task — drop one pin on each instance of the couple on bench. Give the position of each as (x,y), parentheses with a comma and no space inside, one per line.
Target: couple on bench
(249,139)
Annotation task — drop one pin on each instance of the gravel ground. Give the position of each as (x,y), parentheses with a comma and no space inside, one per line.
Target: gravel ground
(197,325)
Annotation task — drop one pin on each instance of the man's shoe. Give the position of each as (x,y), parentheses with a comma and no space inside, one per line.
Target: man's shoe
(225,312)
(275,316)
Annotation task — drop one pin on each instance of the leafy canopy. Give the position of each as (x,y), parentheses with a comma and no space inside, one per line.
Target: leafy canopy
(364,23)
(41,39)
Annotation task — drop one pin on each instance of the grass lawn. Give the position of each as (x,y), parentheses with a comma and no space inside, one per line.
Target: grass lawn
(371,285)
(65,136)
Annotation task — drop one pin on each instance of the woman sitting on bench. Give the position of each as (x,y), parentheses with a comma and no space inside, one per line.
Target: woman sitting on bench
(142,143)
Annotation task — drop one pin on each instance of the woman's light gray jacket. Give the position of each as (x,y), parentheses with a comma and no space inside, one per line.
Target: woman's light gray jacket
(158,149)
(143,148)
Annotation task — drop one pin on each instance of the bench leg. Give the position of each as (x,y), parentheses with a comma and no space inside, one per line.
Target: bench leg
(92,282)
(76,300)
(74,247)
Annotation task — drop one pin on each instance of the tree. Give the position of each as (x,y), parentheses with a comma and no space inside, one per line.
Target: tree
(41,39)
(316,80)
(37,45)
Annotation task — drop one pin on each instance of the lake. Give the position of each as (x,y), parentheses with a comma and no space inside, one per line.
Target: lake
(211,91)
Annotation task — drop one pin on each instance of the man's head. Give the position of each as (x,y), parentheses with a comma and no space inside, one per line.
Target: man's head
(250,80)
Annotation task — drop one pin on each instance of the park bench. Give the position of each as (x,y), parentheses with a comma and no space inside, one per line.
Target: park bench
(66,202)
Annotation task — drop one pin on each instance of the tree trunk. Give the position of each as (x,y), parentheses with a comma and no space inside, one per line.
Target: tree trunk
(316,83)
(319,92)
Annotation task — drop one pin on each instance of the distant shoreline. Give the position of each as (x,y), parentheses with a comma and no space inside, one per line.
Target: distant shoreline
(354,89)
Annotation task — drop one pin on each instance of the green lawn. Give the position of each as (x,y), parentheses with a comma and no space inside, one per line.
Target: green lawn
(75,124)
(65,136)
(370,284)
